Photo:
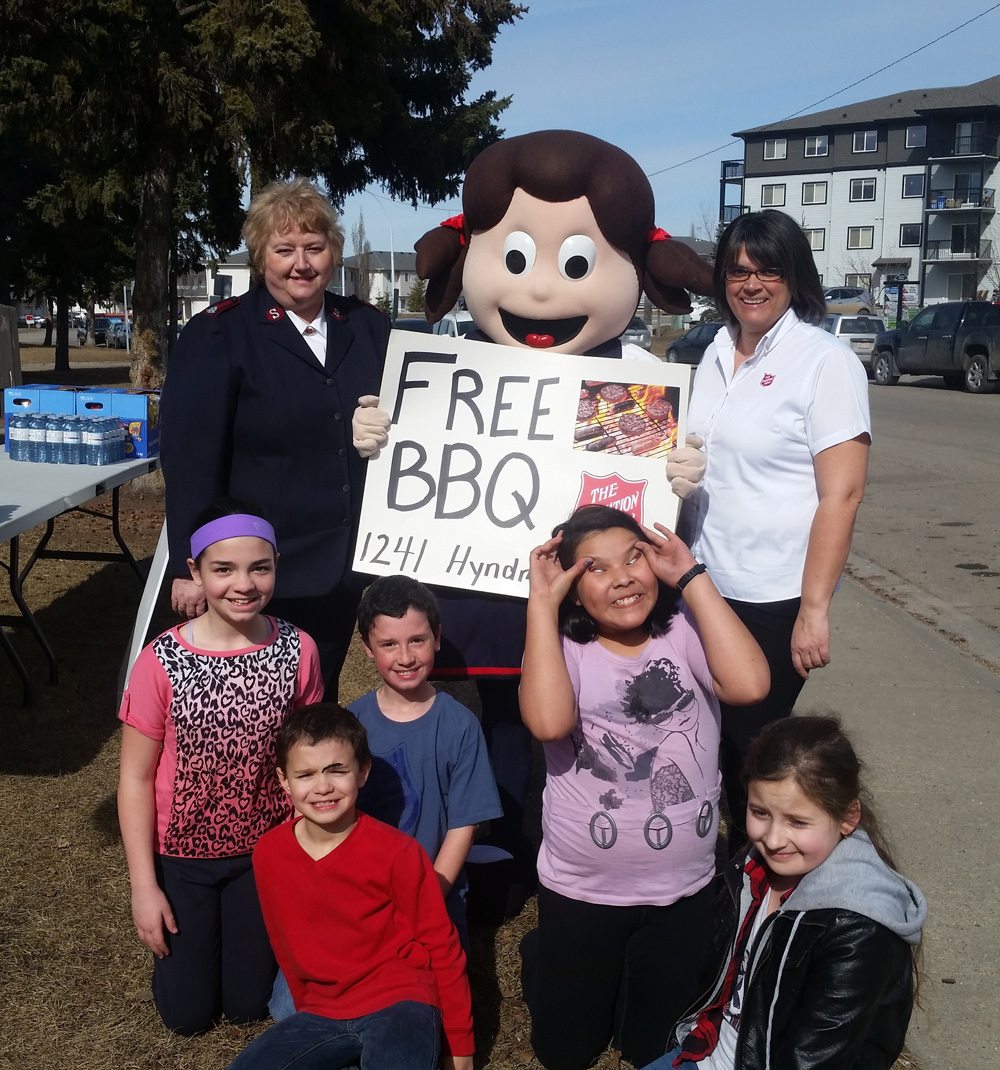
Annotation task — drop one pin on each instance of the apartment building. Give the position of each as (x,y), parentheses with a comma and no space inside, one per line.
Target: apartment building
(899,185)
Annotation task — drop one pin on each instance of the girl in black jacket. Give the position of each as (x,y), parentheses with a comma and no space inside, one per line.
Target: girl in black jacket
(819,928)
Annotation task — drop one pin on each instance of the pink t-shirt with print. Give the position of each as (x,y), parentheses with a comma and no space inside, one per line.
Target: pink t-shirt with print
(630,809)
(216,712)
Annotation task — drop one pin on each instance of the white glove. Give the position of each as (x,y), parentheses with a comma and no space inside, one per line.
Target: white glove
(686,467)
(369,426)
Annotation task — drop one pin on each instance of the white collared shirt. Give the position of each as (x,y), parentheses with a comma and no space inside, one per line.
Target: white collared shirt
(801,392)
(314,333)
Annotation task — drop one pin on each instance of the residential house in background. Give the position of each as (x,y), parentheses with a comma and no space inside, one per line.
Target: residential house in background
(199,289)
(380,266)
(903,184)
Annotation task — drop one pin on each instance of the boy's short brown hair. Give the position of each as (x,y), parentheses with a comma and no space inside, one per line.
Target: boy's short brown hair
(319,722)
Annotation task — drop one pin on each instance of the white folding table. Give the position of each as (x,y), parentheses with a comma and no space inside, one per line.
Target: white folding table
(33,494)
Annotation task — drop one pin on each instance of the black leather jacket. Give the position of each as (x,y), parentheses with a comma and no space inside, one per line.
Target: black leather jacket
(827,988)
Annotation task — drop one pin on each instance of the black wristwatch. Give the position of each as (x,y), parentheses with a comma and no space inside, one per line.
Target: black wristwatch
(690,575)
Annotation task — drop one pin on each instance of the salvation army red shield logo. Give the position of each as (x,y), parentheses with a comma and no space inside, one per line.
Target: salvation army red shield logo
(624,494)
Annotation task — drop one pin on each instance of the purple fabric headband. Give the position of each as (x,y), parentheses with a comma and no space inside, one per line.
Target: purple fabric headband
(230,527)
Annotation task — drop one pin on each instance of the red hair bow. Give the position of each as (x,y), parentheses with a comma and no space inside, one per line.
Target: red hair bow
(657,234)
(457,222)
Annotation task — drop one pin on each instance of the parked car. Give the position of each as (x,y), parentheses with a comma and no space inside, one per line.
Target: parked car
(637,334)
(455,324)
(690,347)
(859,332)
(416,323)
(959,340)
(849,300)
(102,326)
(22,321)
(121,335)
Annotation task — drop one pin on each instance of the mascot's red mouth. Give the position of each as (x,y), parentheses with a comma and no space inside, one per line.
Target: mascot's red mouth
(541,334)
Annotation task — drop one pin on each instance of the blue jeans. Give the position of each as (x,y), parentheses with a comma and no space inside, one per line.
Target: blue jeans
(666,1062)
(403,1036)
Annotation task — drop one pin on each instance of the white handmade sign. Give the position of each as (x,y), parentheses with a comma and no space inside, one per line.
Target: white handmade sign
(491,446)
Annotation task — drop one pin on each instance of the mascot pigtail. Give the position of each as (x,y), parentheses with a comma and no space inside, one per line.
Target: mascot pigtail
(672,271)
(440,260)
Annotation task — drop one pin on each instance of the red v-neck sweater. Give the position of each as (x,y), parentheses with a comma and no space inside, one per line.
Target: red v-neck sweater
(363,928)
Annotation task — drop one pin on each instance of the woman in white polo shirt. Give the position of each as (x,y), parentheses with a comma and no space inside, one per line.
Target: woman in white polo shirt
(782,408)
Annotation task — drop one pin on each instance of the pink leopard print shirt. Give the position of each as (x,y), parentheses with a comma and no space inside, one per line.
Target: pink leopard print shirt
(216,788)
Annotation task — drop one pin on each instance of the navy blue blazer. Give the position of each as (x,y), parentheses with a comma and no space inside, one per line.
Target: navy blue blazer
(247,410)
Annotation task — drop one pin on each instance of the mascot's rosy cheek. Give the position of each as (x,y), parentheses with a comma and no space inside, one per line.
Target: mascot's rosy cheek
(545,277)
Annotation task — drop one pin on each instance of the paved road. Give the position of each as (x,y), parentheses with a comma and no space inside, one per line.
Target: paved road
(928,533)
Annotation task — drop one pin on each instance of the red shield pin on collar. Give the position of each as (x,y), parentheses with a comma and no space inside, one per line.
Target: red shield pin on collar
(275,312)
(336,313)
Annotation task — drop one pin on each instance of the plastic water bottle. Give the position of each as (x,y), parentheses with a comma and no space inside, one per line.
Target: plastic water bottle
(35,436)
(54,440)
(17,433)
(72,440)
(121,441)
(91,440)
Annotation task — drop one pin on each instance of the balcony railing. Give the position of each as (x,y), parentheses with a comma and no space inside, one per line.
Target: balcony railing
(949,250)
(941,199)
(733,211)
(732,170)
(972,145)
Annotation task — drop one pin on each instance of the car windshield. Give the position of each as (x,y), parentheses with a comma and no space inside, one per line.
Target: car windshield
(862,324)
(466,326)
(637,324)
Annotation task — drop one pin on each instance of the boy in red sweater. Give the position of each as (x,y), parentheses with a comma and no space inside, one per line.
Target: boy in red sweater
(356,919)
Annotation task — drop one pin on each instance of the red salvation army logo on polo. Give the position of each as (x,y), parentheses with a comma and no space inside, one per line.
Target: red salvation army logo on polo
(767,380)
(614,491)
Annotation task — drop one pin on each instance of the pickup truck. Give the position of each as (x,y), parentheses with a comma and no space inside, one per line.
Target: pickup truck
(959,340)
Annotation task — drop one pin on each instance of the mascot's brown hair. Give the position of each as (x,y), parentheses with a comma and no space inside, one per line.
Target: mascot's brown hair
(579,206)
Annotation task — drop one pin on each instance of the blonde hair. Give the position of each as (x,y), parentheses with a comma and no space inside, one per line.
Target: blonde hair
(284,206)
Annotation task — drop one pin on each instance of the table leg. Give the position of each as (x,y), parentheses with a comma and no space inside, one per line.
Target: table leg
(27,695)
(17,576)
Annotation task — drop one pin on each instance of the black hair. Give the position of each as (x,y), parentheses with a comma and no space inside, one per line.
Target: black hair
(317,723)
(772,239)
(574,621)
(392,596)
(224,507)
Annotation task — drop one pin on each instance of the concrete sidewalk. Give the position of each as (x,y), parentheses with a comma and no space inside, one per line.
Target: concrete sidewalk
(926,720)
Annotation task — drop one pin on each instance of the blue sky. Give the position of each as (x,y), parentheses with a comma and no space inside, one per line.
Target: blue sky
(668,80)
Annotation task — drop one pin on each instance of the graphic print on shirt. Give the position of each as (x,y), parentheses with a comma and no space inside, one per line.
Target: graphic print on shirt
(628,761)
(392,794)
(225,711)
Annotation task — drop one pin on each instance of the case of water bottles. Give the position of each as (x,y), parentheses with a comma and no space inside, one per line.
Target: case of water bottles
(59,425)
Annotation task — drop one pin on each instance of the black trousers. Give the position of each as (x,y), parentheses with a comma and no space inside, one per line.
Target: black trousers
(220,960)
(771,624)
(594,975)
(328,619)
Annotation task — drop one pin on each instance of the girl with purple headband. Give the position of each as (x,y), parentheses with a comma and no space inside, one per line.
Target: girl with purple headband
(197,786)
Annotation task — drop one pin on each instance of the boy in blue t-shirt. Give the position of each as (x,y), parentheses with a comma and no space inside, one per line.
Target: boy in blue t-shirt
(431,775)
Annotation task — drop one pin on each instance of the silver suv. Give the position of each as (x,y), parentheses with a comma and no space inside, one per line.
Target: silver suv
(858,332)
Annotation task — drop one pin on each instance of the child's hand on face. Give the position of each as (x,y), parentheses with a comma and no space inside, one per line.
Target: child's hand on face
(547,580)
(150,913)
(666,554)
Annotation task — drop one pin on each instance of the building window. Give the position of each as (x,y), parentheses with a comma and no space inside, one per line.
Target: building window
(814,193)
(819,145)
(858,280)
(865,140)
(910,233)
(817,240)
(862,189)
(916,137)
(775,149)
(772,196)
(913,185)
(860,237)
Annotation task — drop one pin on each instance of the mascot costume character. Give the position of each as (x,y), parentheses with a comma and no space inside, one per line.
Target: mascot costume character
(556,244)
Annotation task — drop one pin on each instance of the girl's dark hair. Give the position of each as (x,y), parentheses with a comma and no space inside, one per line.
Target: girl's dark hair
(816,753)
(574,621)
(557,166)
(772,240)
(392,596)
(317,723)
(224,507)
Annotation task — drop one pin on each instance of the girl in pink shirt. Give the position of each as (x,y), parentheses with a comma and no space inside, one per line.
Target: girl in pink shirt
(197,786)
(629,648)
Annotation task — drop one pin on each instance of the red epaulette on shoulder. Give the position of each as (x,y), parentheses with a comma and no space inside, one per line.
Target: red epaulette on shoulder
(222,306)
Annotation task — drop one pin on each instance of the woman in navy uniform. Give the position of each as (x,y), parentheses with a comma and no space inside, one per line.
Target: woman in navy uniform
(258,404)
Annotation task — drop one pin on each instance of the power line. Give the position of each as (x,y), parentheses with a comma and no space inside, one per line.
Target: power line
(830,96)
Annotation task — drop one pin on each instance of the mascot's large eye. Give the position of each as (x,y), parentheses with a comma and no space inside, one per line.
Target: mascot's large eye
(518,253)
(576,257)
